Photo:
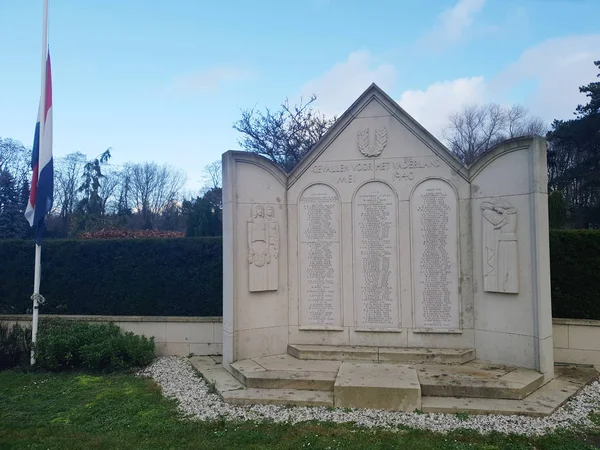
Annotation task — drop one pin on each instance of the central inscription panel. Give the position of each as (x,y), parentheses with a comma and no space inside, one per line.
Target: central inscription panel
(375,228)
(320,265)
(434,225)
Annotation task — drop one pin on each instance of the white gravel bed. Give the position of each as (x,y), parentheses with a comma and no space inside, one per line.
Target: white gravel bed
(180,381)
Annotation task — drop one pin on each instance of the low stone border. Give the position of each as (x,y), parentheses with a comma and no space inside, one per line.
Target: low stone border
(180,381)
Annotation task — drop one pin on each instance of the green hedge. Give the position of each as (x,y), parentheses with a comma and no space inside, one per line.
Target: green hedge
(575,273)
(152,277)
(183,277)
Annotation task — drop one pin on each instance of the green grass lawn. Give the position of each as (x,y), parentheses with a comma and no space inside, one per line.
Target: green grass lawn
(82,411)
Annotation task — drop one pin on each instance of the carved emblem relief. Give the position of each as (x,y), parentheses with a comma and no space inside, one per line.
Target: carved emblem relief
(263,249)
(500,247)
(371,147)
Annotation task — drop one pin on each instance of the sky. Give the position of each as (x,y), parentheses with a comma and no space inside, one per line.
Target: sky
(165,81)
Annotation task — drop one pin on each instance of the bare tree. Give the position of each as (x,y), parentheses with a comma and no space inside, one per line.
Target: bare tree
(152,188)
(68,173)
(520,123)
(212,174)
(108,191)
(477,128)
(15,158)
(283,136)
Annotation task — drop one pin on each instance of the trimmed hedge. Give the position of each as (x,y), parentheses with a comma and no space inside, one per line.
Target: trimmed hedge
(575,273)
(183,277)
(141,277)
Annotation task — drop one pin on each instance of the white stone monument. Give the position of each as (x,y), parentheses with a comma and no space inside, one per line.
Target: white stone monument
(381,237)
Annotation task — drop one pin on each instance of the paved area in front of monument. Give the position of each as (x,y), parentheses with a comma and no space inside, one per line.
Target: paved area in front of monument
(434,381)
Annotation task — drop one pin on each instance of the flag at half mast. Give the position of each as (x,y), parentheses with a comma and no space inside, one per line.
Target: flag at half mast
(42,179)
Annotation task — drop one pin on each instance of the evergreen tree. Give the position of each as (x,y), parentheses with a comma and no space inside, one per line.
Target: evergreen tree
(90,207)
(202,218)
(91,203)
(13,224)
(574,159)
(557,210)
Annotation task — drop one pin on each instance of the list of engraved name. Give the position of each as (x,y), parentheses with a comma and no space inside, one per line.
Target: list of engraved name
(435,264)
(319,240)
(376,235)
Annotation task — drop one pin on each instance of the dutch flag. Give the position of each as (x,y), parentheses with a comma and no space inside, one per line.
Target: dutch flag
(42,179)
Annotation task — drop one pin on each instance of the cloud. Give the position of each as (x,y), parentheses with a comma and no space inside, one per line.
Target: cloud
(337,88)
(453,24)
(432,107)
(545,79)
(210,80)
(557,67)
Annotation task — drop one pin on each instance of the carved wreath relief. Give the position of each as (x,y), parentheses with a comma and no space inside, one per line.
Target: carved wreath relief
(368,148)
(500,247)
(263,249)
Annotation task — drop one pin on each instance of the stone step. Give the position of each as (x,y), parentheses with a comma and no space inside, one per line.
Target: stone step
(383,354)
(461,405)
(214,373)
(284,379)
(477,380)
(362,384)
(286,372)
(296,397)
(334,352)
(542,402)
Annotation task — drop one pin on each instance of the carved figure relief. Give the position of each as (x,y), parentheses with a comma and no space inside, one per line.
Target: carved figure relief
(366,147)
(500,247)
(263,249)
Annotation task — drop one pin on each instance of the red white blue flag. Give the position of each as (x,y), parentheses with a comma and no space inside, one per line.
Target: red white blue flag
(42,179)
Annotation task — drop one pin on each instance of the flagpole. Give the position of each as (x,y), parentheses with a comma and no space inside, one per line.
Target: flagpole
(38,248)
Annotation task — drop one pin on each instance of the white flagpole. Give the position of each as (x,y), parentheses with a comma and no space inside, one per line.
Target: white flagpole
(38,248)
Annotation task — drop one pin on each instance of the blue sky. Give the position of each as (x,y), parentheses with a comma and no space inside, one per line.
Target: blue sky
(165,81)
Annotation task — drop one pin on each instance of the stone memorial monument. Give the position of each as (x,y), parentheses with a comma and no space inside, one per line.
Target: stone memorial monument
(380,238)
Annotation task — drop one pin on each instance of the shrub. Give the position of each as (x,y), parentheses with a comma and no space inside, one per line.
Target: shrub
(69,344)
(575,273)
(15,345)
(135,277)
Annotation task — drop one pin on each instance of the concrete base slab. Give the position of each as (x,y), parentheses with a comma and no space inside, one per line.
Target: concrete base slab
(473,388)
(377,385)
(382,354)
(279,397)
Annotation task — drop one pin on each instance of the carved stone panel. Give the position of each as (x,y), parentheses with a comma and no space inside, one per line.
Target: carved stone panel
(375,229)
(500,247)
(263,249)
(371,147)
(434,234)
(320,262)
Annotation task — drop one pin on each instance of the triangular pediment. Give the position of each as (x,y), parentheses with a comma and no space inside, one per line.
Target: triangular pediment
(371,102)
